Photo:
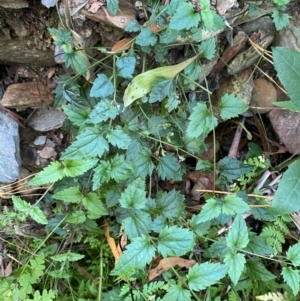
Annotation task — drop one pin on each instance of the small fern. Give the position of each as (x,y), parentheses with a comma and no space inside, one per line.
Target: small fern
(274,238)
(272,297)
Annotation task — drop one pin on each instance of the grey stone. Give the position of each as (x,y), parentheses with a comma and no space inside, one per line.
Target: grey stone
(10,160)
(41,140)
(47,119)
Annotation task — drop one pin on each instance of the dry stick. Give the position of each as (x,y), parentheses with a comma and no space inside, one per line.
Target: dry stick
(236,140)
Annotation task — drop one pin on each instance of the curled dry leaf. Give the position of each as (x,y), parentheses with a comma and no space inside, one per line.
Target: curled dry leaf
(166,263)
(111,241)
(121,45)
(95,7)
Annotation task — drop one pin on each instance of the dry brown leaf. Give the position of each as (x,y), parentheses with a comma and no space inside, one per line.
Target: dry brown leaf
(224,6)
(111,241)
(166,263)
(95,7)
(121,45)
(7,271)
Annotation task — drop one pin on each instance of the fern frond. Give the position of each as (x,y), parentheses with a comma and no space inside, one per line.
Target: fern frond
(272,297)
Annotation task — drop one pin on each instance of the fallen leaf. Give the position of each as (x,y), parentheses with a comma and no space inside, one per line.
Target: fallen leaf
(224,6)
(169,262)
(95,7)
(7,271)
(121,45)
(111,241)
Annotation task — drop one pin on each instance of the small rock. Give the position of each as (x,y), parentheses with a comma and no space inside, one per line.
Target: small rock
(286,124)
(28,94)
(10,160)
(47,152)
(263,95)
(41,140)
(47,119)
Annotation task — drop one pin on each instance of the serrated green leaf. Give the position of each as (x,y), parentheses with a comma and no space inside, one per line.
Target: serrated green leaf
(232,205)
(169,35)
(177,293)
(76,217)
(37,215)
(118,137)
(235,263)
(73,168)
(232,168)
(170,204)
(103,111)
(143,162)
(253,10)
(20,204)
(198,227)
(139,223)
(161,89)
(280,19)
(79,62)
(281,2)
(143,83)
(204,165)
(201,276)
(201,121)
(102,86)
(192,71)
(237,237)
(287,65)
(137,254)
(133,26)
(125,66)
(101,174)
(184,17)
(258,245)
(112,6)
(172,102)
(231,106)
(146,37)
(76,116)
(208,48)
(60,36)
(286,199)
(293,254)
(121,169)
(218,249)
(67,257)
(175,241)
(93,204)
(134,196)
(70,195)
(210,19)
(89,143)
(209,211)
(258,272)
(292,279)
(169,168)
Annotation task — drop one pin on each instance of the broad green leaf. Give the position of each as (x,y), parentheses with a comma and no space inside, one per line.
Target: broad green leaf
(192,71)
(281,2)
(137,254)
(185,17)
(125,66)
(286,198)
(73,168)
(60,36)
(169,168)
(287,65)
(112,6)
(102,86)
(175,241)
(93,204)
(76,116)
(172,102)
(20,204)
(201,121)
(287,105)
(232,205)
(280,19)
(143,162)
(121,169)
(173,6)
(204,275)
(138,224)
(235,263)
(237,237)
(103,111)
(76,217)
(232,168)
(79,62)
(231,106)
(89,143)
(170,204)
(101,174)
(70,256)
(258,245)
(208,48)
(218,249)
(177,293)
(210,19)
(146,37)
(134,196)
(133,26)
(70,195)
(161,89)
(118,137)
(198,227)
(293,254)
(209,211)
(143,83)
(258,272)
(37,215)
(169,35)
(292,279)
